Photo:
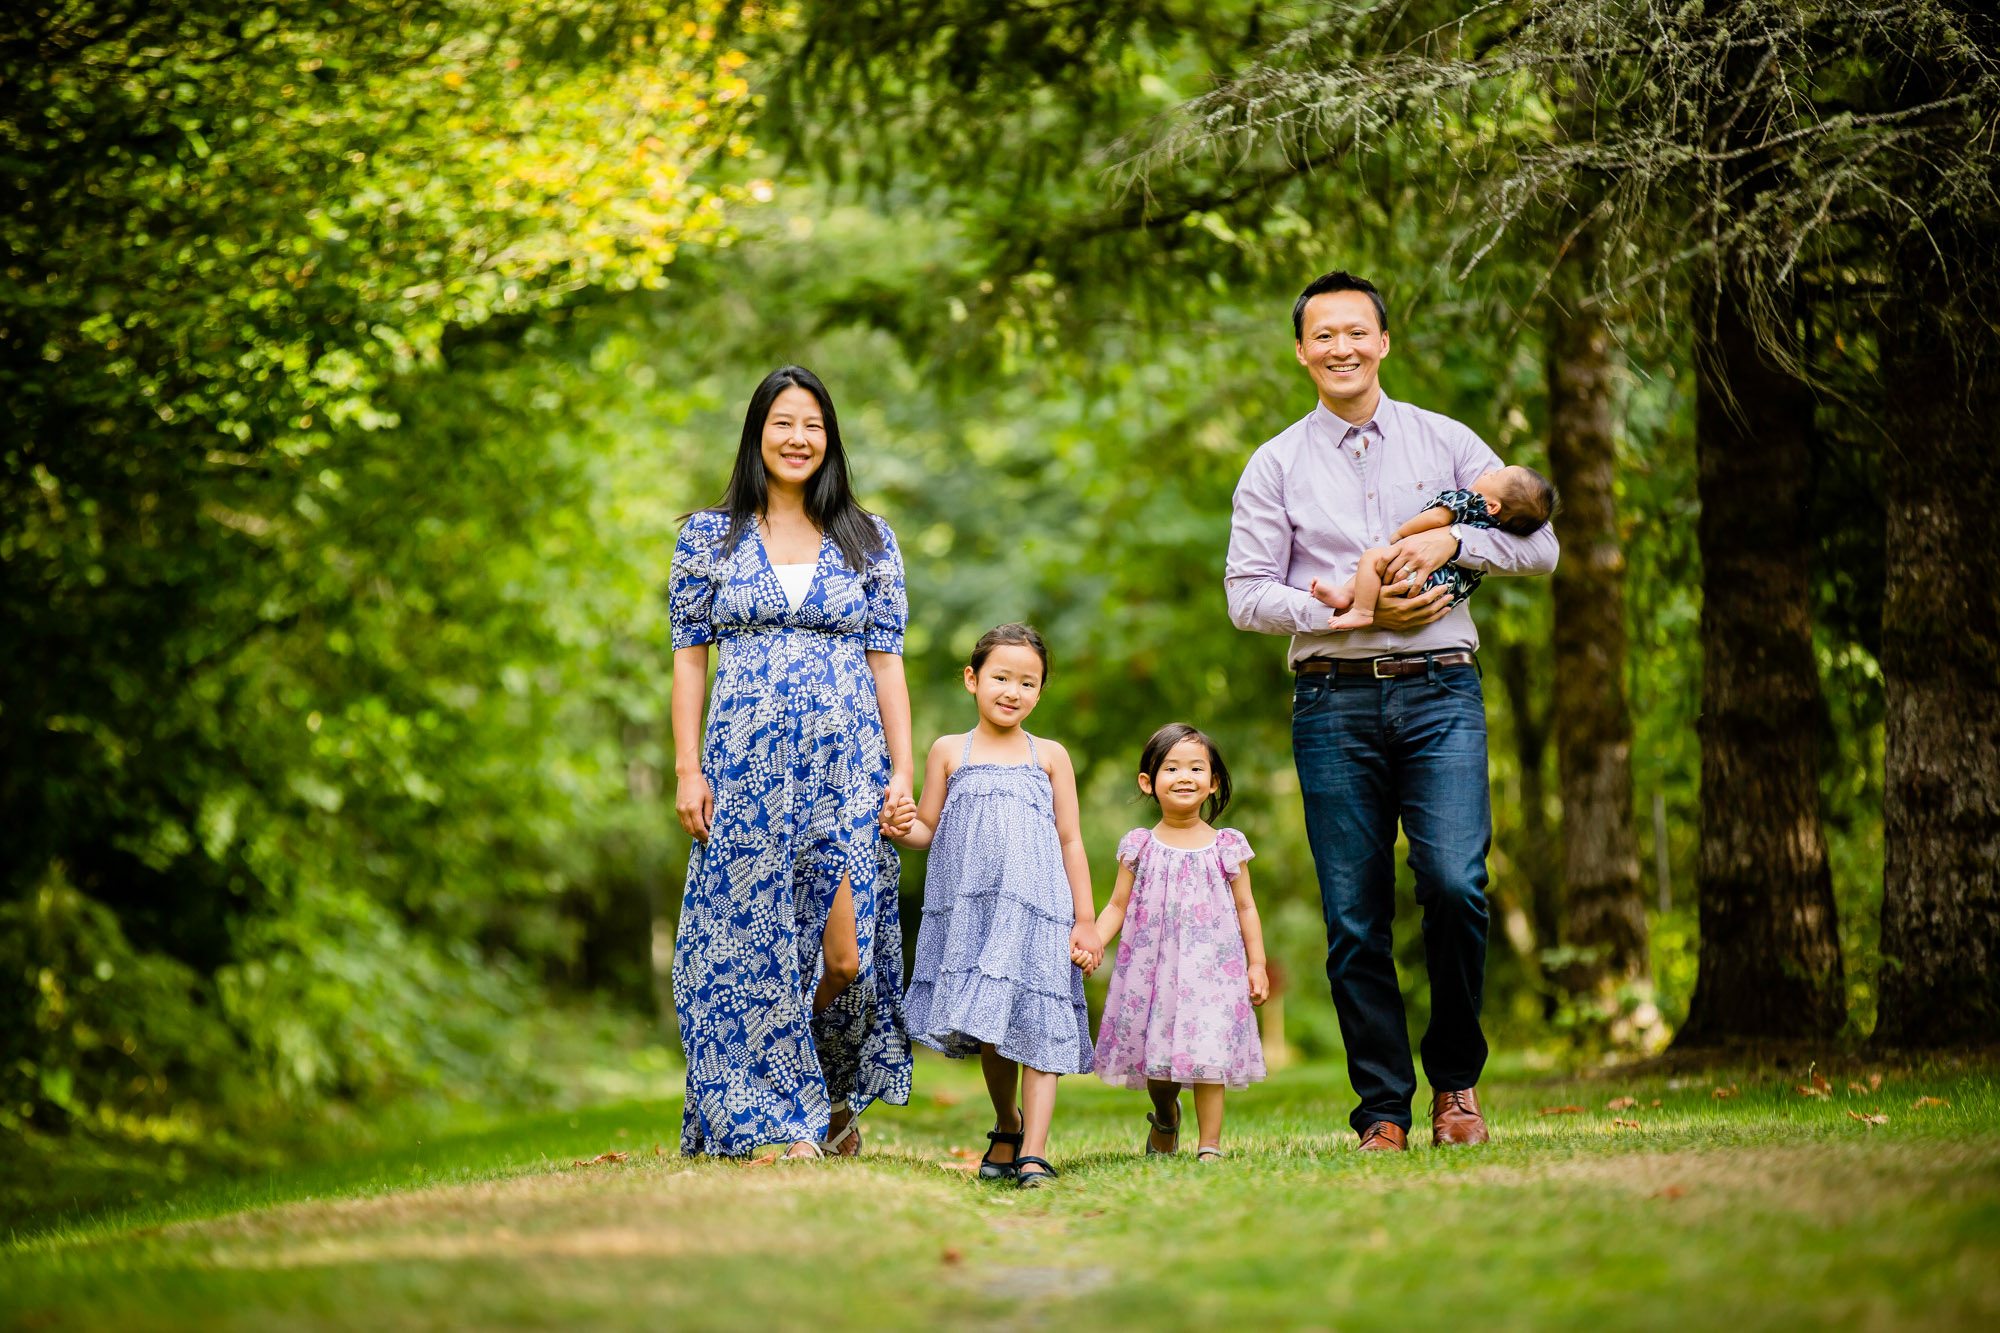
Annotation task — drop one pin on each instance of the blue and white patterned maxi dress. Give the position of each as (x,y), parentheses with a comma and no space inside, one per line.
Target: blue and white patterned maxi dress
(795,755)
(992,962)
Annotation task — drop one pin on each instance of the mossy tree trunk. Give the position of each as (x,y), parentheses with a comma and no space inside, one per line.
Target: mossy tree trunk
(1770,952)
(1606,916)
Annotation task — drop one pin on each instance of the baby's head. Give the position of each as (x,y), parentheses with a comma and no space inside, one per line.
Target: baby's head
(1006,672)
(1520,499)
(1182,768)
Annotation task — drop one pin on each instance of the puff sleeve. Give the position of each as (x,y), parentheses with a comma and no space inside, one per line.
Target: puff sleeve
(1131,847)
(691,582)
(888,602)
(1235,851)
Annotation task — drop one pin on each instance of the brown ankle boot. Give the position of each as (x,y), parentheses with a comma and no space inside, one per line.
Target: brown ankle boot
(1455,1118)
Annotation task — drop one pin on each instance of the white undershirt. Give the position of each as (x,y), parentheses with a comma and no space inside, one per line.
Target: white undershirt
(796,581)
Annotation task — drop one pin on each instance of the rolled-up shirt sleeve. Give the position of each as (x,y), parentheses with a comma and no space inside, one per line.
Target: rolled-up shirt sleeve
(1489,550)
(1260,557)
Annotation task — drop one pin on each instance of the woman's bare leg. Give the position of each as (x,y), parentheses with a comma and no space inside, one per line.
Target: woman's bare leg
(1002,1079)
(1208,1113)
(1038,1110)
(841,951)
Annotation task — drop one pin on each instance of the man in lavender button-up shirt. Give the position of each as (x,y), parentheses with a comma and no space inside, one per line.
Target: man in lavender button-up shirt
(1388,722)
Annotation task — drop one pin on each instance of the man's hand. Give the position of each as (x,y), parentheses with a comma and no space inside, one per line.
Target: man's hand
(1418,556)
(1400,614)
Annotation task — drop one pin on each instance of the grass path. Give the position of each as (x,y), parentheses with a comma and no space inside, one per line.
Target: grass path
(1763,1210)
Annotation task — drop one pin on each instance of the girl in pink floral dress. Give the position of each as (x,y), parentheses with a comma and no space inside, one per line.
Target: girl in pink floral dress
(1190,963)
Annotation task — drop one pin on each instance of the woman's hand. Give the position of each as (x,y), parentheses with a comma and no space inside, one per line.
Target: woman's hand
(695,804)
(899,807)
(1260,983)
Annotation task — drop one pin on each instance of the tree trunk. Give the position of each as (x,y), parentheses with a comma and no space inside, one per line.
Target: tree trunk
(1770,954)
(1607,910)
(1941,672)
(1532,852)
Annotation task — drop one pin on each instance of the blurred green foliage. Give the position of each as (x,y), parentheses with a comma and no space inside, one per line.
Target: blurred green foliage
(354,413)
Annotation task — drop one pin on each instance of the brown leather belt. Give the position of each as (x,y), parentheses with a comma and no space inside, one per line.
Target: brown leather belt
(1382,668)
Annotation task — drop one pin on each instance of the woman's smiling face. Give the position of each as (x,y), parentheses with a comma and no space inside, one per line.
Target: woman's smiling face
(1008,684)
(794,439)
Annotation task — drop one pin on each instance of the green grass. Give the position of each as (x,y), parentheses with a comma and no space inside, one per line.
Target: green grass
(1765,1210)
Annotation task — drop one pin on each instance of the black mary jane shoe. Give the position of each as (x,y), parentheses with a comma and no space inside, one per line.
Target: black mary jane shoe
(1033,1180)
(1173,1130)
(992,1170)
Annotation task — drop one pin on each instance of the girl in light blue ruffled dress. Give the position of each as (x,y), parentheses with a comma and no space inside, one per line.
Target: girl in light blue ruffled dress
(1009,926)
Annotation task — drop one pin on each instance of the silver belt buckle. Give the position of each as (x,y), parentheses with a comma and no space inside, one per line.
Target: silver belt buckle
(1375,668)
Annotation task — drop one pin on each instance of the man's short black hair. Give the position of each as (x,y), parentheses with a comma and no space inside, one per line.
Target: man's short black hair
(1340,280)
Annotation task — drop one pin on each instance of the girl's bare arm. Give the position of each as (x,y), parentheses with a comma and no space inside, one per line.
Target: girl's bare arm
(1076,861)
(1253,937)
(1112,919)
(937,779)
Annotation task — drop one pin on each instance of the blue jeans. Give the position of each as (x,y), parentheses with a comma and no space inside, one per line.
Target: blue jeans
(1370,752)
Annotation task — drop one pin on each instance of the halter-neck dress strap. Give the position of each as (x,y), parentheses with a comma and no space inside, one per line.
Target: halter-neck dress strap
(1032,758)
(965,755)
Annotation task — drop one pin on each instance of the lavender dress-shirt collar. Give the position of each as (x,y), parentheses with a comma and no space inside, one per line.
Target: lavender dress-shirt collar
(1321,492)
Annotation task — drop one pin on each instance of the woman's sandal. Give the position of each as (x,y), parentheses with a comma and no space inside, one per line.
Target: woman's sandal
(1174,1129)
(1032,1180)
(1209,1153)
(789,1156)
(992,1170)
(830,1145)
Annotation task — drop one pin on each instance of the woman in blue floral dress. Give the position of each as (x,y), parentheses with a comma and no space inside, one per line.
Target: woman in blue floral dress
(788,962)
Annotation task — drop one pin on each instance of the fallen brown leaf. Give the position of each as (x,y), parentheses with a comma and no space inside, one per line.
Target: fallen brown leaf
(1877,1119)
(1670,1192)
(1621,1103)
(658,1151)
(1626,1124)
(1875,1082)
(1654,1102)
(1921,1102)
(769,1159)
(1805,1091)
(1562,1110)
(1720,1093)
(965,1154)
(1861,1088)
(952,1255)
(1820,1085)
(601,1158)
(946,1100)
(958,1166)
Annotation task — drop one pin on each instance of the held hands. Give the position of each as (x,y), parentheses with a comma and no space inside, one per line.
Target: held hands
(899,808)
(1086,949)
(1260,983)
(694,803)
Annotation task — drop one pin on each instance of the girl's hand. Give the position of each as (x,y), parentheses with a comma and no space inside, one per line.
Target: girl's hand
(694,803)
(1260,983)
(1084,940)
(1082,960)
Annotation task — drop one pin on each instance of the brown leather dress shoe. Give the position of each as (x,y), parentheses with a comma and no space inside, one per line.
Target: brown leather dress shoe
(1383,1137)
(1455,1118)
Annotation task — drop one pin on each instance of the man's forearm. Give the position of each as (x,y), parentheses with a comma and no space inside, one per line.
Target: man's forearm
(1491,551)
(1266,606)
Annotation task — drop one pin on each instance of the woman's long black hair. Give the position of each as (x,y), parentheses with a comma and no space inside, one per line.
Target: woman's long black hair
(829,496)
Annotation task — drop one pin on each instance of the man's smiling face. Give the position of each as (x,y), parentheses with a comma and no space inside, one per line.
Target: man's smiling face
(1341,346)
